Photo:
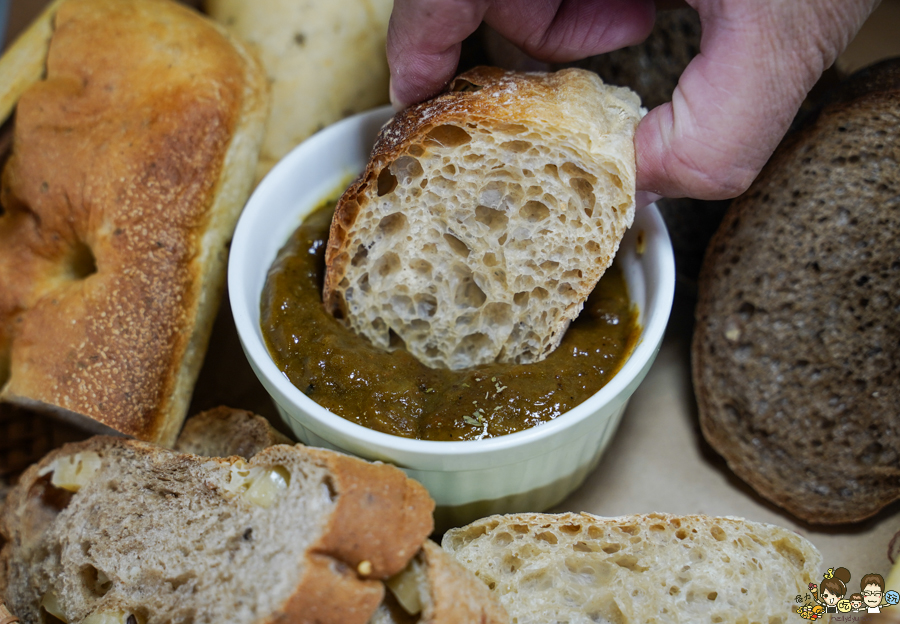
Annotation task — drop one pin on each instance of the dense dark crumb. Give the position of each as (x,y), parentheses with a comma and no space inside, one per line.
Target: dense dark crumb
(796,352)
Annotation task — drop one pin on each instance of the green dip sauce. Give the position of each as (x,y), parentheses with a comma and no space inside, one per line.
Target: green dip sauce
(395,393)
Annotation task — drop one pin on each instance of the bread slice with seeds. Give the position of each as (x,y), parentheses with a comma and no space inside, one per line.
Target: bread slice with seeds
(435,589)
(120,531)
(485,217)
(580,568)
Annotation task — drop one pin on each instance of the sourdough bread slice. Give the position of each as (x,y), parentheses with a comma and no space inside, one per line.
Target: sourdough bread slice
(580,568)
(123,530)
(796,352)
(485,217)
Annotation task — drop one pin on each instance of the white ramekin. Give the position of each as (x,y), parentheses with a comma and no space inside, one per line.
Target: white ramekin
(526,471)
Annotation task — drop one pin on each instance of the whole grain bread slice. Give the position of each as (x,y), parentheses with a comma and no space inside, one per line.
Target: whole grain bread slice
(226,431)
(435,589)
(120,529)
(431,589)
(796,352)
(485,217)
(581,568)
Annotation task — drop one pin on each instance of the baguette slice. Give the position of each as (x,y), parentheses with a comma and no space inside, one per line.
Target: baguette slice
(580,568)
(137,130)
(485,217)
(112,528)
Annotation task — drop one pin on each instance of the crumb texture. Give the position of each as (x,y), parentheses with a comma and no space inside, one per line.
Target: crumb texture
(110,528)
(476,237)
(580,569)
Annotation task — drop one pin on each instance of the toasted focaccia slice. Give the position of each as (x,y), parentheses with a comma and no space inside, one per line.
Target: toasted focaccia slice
(485,217)
(113,530)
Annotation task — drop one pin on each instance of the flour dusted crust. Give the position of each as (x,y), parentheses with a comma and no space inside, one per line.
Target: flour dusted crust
(131,162)
(637,569)
(485,217)
(159,534)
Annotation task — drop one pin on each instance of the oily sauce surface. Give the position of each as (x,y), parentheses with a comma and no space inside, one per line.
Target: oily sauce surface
(394,393)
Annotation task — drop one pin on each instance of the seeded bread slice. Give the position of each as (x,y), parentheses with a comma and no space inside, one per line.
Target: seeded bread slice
(796,353)
(117,528)
(435,589)
(485,217)
(580,568)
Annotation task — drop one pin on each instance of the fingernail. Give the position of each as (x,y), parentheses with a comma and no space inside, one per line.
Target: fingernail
(645,198)
(395,101)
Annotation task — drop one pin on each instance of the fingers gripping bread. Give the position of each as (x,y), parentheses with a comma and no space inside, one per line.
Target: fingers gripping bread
(294,535)
(485,217)
(131,162)
(580,568)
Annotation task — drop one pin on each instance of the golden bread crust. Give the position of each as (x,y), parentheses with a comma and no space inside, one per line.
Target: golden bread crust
(485,217)
(395,510)
(119,210)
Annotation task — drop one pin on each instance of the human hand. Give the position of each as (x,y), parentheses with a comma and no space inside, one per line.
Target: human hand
(732,105)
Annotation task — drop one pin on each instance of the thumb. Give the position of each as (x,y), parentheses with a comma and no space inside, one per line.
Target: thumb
(736,99)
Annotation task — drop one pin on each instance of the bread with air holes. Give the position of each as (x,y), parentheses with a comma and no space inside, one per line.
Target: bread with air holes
(581,568)
(113,528)
(131,161)
(485,217)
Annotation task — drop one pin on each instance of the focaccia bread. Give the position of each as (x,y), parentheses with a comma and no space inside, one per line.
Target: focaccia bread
(485,217)
(131,161)
(325,60)
(581,568)
(121,531)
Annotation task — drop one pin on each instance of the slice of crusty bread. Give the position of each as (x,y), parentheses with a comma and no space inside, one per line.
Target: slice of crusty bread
(169,537)
(131,162)
(435,589)
(225,431)
(580,568)
(796,352)
(485,217)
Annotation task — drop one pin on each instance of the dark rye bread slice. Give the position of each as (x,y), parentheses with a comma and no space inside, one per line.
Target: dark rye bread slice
(107,529)
(796,353)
